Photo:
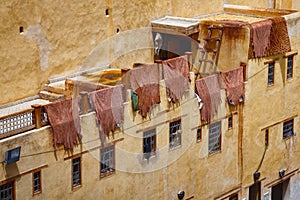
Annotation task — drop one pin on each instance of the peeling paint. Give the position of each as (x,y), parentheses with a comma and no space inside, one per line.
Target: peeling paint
(35,33)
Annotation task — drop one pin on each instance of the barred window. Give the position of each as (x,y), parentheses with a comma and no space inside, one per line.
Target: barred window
(7,191)
(175,134)
(290,63)
(271,73)
(288,128)
(149,143)
(107,160)
(37,182)
(76,172)
(214,137)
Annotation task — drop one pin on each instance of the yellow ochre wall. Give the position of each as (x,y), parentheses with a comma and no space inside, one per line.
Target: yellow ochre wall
(278,4)
(69,36)
(187,167)
(269,106)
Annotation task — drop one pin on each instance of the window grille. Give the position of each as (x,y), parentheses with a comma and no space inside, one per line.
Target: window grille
(288,127)
(107,160)
(175,134)
(214,137)
(7,191)
(76,172)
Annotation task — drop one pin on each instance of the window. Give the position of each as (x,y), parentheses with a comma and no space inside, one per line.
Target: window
(230,122)
(290,63)
(234,197)
(149,143)
(76,172)
(267,137)
(107,160)
(271,73)
(255,191)
(37,182)
(288,128)
(175,134)
(199,134)
(214,137)
(7,191)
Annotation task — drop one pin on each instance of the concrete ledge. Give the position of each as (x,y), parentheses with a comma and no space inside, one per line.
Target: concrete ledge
(263,12)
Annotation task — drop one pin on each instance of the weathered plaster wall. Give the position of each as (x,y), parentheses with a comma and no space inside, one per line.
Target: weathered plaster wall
(269,106)
(234,48)
(59,37)
(278,4)
(187,167)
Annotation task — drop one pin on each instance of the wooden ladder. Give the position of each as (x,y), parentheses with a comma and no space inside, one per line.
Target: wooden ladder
(209,52)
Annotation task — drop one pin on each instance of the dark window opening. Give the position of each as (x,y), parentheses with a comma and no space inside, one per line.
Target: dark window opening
(107,161)
(290,63)
(271,73)
(230,122)
(199,134)
(279,190)
(214,141)
(288,129)
(21,29)
(7,191)
(234,197)
(76,172)
(37,182)
(173,46)
(267,137)
(175,134)
(118,30)
(107,13)
(254,192)
(149,143)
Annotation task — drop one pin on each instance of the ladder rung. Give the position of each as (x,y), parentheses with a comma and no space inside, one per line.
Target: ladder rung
(203,60)
(214,39)
(211,50)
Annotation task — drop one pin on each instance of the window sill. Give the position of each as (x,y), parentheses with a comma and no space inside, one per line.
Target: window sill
(174,148)
(107,174)
(77,187)
(37,193)
(153,155)
(287,138)
(214,153)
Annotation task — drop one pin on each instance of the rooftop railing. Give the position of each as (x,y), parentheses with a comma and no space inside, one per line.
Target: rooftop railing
(22,121)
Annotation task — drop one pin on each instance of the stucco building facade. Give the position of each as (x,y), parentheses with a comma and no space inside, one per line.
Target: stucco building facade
(52,52)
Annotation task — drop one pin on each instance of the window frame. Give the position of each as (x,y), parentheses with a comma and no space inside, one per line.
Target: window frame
(79,172)
(284,134)
(290,60)
(149,134)
(177,135)
(235,195)
(267,137)
(39,191)
(12,182)
(230,122)
(211,148)
(199,134)
(271,74)
(110,169)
